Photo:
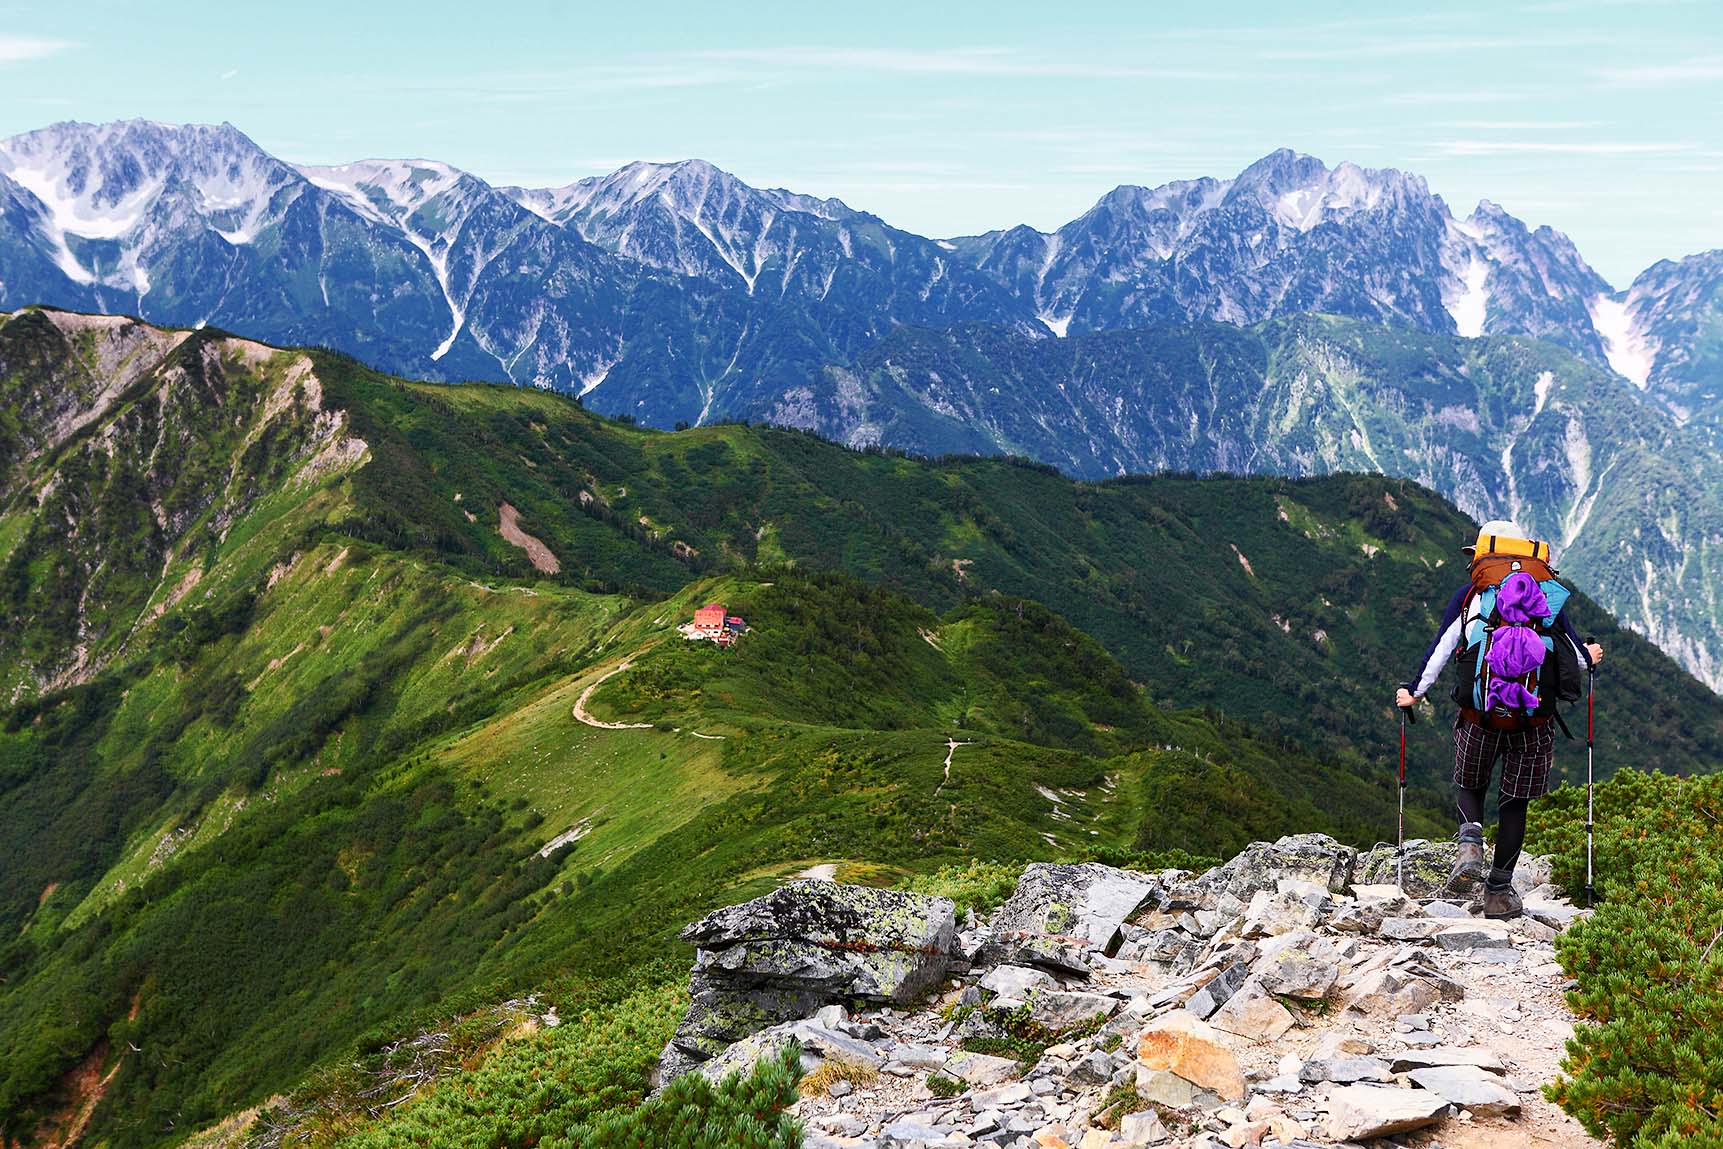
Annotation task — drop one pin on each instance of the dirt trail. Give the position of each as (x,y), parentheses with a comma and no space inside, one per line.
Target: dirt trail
(580,711)
(951,745)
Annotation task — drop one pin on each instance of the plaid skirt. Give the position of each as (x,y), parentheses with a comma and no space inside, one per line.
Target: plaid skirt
(1528,757)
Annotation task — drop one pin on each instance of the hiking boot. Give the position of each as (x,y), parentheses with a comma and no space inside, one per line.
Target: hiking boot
(1501,900)
(1469,865)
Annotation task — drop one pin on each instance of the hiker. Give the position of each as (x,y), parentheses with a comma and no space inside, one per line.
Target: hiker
(1516,655)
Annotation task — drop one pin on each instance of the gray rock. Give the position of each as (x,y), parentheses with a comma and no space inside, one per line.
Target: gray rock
(1440,909)
(1445,1056)
(805,945)
(1015,981)
(1212,996)
(1296,973)
(980,1069)
(1251,1013)
(1143,1128)
(1366,915)
(1094,1069)
(1428,865)
(1273,914)
(1359,1112)
(1410,929)
(1260,867)
(1469,1088)
(906,1132)
(1474,936)
(1071,906)
(1345,1070)
(818,1044)
(1063,1010)
(1164,1087)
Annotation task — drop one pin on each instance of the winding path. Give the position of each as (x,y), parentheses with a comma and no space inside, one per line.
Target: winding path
(580,711)
(951,745)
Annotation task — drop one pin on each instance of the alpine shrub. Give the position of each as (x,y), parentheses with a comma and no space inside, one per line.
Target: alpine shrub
(744,1112)
(1647,1070)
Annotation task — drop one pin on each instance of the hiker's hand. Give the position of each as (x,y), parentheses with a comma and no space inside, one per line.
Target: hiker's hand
(1596,653)
(1405,699)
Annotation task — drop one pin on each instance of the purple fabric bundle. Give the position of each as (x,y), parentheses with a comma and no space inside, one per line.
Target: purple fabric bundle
(1516,650)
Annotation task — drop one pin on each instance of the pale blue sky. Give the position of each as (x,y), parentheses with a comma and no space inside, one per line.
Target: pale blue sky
(1600,117)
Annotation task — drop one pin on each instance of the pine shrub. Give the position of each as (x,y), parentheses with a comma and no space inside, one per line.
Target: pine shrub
(743,1112)
(1647,1068)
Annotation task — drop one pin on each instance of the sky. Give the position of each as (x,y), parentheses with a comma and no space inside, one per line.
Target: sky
(1601,118)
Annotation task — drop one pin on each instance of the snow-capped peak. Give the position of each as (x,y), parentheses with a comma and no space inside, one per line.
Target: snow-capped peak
(387,191)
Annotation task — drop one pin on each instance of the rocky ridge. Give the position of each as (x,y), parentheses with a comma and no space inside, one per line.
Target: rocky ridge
(1294,996)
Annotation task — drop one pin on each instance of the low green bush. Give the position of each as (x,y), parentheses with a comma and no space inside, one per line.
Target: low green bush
(744,1112)
(1646,1068)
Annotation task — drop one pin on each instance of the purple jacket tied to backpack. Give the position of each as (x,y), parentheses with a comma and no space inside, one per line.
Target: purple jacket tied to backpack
(1516,650)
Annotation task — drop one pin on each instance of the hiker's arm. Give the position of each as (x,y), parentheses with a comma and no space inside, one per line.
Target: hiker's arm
(1442,648)
(1590,652)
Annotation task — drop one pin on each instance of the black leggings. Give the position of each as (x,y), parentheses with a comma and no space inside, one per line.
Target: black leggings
(1511,828)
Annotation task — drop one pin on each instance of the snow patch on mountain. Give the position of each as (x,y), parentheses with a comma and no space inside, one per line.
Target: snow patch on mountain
(1631,353)
(1470,302)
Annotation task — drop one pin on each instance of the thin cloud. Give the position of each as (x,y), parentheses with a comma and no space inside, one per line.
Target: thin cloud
(1521,125)
(1694,69)
(942,62)
(1547,147)
(230,73)
(18,49)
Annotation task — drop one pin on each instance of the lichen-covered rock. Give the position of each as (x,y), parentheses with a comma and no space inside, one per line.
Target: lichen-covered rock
(850,941)
(1428,865)
(1262,866)
(782,956)
(1058,911)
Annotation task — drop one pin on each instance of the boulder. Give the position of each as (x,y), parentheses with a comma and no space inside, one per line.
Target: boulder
(1065,1009)
(1297,973)
(1058,911)
(1479,935)
(1469,1088)
(807,944)
(1016,981)
(1366,915)
(1428,865)
(1188,1047)
(818,1045)
(1272,914)
(1359,1112)
(1261,866)
(1143,1128)
(980,1069)
(1164,1087)
(1224,984)
(1446,1056)
(1251,1013)
(1410,929)
(1345,1070)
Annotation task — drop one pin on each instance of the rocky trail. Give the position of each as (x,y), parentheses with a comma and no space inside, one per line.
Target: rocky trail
(1292,997)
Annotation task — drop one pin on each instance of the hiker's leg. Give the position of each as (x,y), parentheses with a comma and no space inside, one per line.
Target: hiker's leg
(1527,762)
(1474,761)
(1510,834)
(1471,803)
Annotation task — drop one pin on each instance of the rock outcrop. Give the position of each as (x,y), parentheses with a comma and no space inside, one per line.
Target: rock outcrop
(782,956)
(1263,1003)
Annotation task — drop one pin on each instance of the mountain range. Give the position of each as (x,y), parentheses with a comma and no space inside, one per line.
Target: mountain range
(339,707)
(1169,326)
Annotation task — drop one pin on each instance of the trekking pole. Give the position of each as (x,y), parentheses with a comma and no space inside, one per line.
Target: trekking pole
(1590,741)
(1406,713)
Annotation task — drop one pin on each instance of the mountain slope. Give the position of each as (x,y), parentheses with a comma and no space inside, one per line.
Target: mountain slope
(1506,428)
(299,731)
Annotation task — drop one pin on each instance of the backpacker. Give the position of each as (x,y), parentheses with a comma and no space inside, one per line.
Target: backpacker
(1513,665)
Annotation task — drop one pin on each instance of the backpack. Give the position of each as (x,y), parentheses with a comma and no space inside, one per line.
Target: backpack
(1556,675)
